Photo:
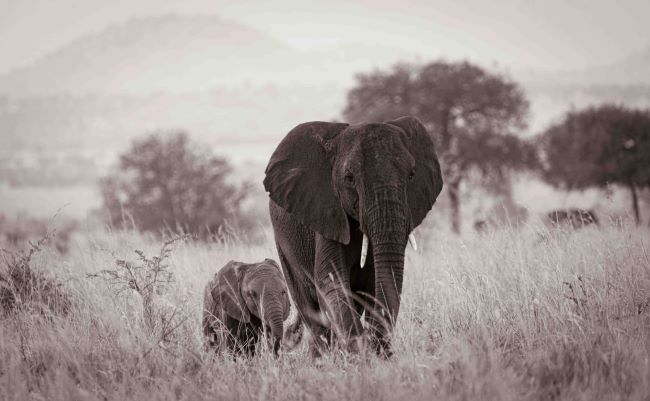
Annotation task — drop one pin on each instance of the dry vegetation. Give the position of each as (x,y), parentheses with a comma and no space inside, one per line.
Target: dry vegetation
(509,315)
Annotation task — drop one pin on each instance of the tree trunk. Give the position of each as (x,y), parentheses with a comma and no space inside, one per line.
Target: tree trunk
(452,171)
(635,202)
(454,198)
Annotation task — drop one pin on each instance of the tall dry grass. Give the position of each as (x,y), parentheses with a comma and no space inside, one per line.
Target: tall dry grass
(511,315)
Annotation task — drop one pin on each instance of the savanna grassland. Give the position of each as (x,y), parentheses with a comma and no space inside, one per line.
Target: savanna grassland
(510,315)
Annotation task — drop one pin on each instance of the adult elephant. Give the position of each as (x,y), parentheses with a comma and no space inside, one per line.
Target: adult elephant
(344,200)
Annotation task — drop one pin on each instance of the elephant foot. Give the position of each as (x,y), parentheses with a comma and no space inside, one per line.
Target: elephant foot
(315,351)
(355,345)
(381,346)
(318,344)
(292,335)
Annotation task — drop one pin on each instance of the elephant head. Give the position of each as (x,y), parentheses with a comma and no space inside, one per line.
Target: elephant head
(256,291)
(381,178)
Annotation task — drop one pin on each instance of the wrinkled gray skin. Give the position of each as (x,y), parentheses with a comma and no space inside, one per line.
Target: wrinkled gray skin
(330,183)
(242,302)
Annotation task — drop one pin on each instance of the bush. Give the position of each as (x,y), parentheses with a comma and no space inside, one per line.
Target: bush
(148,276)
(22,287)
(165,183)
(15,232)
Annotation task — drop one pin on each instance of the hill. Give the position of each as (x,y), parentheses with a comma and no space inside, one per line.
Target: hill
(168,53)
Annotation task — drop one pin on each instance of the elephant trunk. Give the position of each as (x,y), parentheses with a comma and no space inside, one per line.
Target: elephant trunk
(387,227)
(273,314)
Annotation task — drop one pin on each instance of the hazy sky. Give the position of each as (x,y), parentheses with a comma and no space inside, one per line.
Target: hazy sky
(550,34)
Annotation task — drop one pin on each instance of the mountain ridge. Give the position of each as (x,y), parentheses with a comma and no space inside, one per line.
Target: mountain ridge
(176,54)
(165,53)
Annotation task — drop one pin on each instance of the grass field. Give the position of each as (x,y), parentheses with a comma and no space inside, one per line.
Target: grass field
(507,316)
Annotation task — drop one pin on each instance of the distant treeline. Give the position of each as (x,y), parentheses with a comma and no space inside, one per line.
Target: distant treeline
(606,92)
(95,122)
(43,169)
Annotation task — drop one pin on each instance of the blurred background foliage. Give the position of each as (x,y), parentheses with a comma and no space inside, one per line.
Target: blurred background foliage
(473,115)
(164,123)
(599,146)
(166,183)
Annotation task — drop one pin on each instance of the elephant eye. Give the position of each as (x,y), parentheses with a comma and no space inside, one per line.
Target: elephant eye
(412,174)
(349,178)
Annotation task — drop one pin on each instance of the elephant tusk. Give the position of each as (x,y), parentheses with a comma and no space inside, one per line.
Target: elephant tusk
(364,250)
(412,242)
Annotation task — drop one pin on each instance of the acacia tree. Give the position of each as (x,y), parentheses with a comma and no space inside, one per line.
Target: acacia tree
(472,114)
(598,146)
(163,182)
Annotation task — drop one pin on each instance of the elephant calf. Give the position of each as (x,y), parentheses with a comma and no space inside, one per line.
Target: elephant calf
(243,302)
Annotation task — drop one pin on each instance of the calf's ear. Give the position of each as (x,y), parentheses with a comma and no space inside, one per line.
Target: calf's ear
(227,291)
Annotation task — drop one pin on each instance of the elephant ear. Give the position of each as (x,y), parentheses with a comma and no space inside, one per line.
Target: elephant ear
(299,179)
(227,291)
(427,183)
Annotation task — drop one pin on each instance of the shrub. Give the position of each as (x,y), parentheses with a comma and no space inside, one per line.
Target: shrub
(148,277)
(15,232)
(165,183)
(22,287)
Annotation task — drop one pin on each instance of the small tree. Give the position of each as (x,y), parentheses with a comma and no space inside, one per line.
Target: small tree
(597,146)
(165,183)
(472,114)
(148,276)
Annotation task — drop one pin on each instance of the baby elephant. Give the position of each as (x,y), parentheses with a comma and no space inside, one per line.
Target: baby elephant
(242,302)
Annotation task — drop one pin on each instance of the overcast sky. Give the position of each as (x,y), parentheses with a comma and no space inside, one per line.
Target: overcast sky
(549,34)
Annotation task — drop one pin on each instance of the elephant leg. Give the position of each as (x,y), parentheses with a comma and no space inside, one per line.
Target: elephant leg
(332,277)
(235,338)
(297,282)
(252,339)
(295,245)
(320,340)
(306,306)
(247,340)
(363,286)
(379,339)
(296,248)
(362,281)
(231,342)
(242,337)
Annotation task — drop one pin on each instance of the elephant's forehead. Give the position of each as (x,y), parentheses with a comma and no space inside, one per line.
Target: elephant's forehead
(382,139)
(265,273)
(365,132)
